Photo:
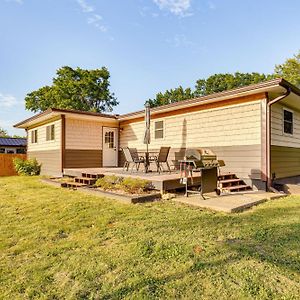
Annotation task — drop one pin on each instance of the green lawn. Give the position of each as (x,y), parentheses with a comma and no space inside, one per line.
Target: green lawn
(61,244)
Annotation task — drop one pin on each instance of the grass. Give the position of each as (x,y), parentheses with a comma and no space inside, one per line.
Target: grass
(61,244)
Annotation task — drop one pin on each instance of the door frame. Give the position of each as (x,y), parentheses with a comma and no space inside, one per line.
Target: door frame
(116,143)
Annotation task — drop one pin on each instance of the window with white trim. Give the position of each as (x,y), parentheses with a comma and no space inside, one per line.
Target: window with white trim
(288,118)
(159,129)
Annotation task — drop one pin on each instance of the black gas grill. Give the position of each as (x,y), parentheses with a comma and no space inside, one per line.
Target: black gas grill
(203,161)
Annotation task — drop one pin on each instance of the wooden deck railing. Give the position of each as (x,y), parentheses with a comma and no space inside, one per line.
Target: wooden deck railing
(6,164)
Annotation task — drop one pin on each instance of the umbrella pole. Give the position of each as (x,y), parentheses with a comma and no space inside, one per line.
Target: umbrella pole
(147,158)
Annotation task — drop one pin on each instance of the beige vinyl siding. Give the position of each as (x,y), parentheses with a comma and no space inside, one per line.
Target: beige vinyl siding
(233,132)
(50,161)
(278,137)
(42,143)
(285,161)
(285,148)
(224,126)
(84,134)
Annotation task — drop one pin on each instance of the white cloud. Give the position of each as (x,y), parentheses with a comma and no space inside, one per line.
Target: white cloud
(7,100)
(15,1)
(92,17)
(85,7)
(176,7)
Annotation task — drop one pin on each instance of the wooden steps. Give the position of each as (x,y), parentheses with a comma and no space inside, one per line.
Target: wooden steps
(73,185)
(86,179)
(231,183)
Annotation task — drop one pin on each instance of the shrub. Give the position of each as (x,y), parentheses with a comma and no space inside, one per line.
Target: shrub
(128,184)
(27,167)
(109,182)
(134,185)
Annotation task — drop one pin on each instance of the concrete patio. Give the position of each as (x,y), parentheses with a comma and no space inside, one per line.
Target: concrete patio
(228,203)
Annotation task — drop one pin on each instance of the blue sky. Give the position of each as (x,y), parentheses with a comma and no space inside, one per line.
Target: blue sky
(147,45)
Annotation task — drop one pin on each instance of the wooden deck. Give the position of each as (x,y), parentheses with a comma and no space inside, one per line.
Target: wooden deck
(162,182)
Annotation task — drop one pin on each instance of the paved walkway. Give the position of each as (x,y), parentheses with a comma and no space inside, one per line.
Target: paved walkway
(228,203)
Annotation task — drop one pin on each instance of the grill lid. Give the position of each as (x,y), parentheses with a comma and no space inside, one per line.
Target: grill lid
(200,154)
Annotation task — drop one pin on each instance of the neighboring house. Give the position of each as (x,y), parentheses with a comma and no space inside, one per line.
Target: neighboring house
(254,129)
(13,145)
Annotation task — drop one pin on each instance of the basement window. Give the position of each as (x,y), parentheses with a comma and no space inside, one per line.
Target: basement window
(159,130)
(288,121)
(50,133)
(34,136)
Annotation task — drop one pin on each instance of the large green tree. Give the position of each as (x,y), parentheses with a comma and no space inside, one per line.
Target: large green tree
(223,82)
(171,96)
(80,89)
(290,70)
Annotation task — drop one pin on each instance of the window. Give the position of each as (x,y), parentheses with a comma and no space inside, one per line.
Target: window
(34,136)
(50,133)
(109,139)
(21,151)
(287,121)
(2,150)
(159,130)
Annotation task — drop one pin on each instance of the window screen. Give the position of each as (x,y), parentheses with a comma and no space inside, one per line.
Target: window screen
(287,121)
(159,130)
(50,132)
(34,136)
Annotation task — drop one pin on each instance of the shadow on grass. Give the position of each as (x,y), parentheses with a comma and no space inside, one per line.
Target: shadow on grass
(276,244)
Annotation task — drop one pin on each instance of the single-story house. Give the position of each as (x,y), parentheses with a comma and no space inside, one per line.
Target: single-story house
(13,145)
(254,129)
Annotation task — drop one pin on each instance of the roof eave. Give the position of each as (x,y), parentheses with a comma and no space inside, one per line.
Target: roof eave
(56,111)
(255,88)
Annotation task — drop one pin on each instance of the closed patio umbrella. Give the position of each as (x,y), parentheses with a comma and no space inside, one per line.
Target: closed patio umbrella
(147,133)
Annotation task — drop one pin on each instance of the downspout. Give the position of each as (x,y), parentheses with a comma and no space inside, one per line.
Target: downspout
(268,134)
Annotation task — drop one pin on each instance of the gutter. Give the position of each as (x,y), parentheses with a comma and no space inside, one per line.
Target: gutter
(268,132)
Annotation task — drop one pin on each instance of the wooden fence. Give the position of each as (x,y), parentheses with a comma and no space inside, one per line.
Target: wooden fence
(6,164)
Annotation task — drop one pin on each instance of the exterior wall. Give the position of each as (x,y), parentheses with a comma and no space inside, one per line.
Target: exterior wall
(83,158)
(48,153)
(233,132)
(84,143)
(42,144)
(285,149)
(50,160)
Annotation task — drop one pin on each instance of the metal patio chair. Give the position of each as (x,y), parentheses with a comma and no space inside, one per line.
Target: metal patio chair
(132,157)
(161,158)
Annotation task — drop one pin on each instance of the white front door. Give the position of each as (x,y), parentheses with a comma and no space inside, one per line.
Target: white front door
(110,147)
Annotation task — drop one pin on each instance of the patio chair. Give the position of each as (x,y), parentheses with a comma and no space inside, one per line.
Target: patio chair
(132,157)
(162,158)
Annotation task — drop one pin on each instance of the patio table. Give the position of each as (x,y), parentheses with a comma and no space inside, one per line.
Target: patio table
(148,155)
